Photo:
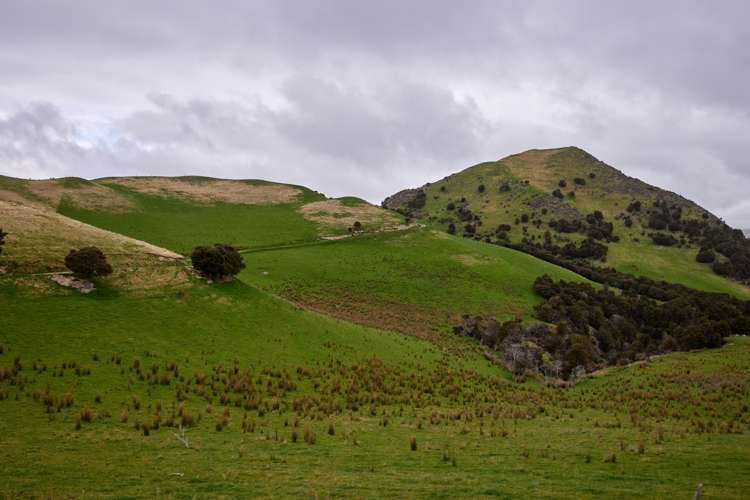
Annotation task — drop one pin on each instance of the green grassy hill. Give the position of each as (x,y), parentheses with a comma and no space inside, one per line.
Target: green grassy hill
(517,191)
(296,379)
(418,281)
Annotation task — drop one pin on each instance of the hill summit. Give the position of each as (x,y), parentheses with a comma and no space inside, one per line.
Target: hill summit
(564,203)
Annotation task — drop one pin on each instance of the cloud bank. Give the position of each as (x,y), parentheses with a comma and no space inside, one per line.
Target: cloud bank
(364,98)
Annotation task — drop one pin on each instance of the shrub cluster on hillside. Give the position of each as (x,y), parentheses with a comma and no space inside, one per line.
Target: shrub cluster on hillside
(595,328)
(725,248)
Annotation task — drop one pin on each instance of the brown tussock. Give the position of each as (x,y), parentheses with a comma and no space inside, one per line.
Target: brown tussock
(210,190)
(336,214)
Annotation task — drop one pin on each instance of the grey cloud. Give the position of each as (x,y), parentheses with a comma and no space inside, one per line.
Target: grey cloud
(365,98)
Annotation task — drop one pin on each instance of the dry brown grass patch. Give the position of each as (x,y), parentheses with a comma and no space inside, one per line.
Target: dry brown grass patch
(39,239)
(335,214)
(209,190)
(87,195)
(532,166)
(471,260)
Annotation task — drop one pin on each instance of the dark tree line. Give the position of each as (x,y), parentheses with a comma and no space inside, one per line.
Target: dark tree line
(658,290)
(598,327)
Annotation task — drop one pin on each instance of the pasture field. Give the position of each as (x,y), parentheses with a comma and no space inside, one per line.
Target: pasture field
(180,224)
(415,281)
(278,401)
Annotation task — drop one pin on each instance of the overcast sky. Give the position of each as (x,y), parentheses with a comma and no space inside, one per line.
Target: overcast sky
(368,97)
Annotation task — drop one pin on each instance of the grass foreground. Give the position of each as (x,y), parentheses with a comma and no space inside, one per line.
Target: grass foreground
(277,401)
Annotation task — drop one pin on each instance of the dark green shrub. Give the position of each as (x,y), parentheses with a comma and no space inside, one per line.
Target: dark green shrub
(88,262)
(705,256)
(665,240)
(634,206)
(217,261)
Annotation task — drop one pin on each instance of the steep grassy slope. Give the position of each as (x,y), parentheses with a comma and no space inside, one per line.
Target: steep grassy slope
(39,239)
(517,191)
(255,379)
(415,281)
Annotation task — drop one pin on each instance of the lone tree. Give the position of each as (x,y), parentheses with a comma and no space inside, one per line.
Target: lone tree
(217,261)
(2,239)
(88,262)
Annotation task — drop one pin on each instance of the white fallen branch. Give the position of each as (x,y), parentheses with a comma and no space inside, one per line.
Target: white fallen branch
(181,437)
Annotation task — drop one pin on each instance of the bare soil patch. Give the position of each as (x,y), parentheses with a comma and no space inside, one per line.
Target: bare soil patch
(209,190)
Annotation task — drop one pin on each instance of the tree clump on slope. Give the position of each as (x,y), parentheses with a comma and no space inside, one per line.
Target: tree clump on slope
(217,261)
(88,262)
(595,328)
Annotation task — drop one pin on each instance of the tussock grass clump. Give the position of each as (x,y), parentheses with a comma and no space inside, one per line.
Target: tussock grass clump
(222,422)
(87,414)
(186,418)
(309,436)
(67,400)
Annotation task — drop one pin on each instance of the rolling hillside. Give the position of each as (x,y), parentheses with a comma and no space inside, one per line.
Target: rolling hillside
(328,368)
(179,213)
(418,282)
(555,197)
